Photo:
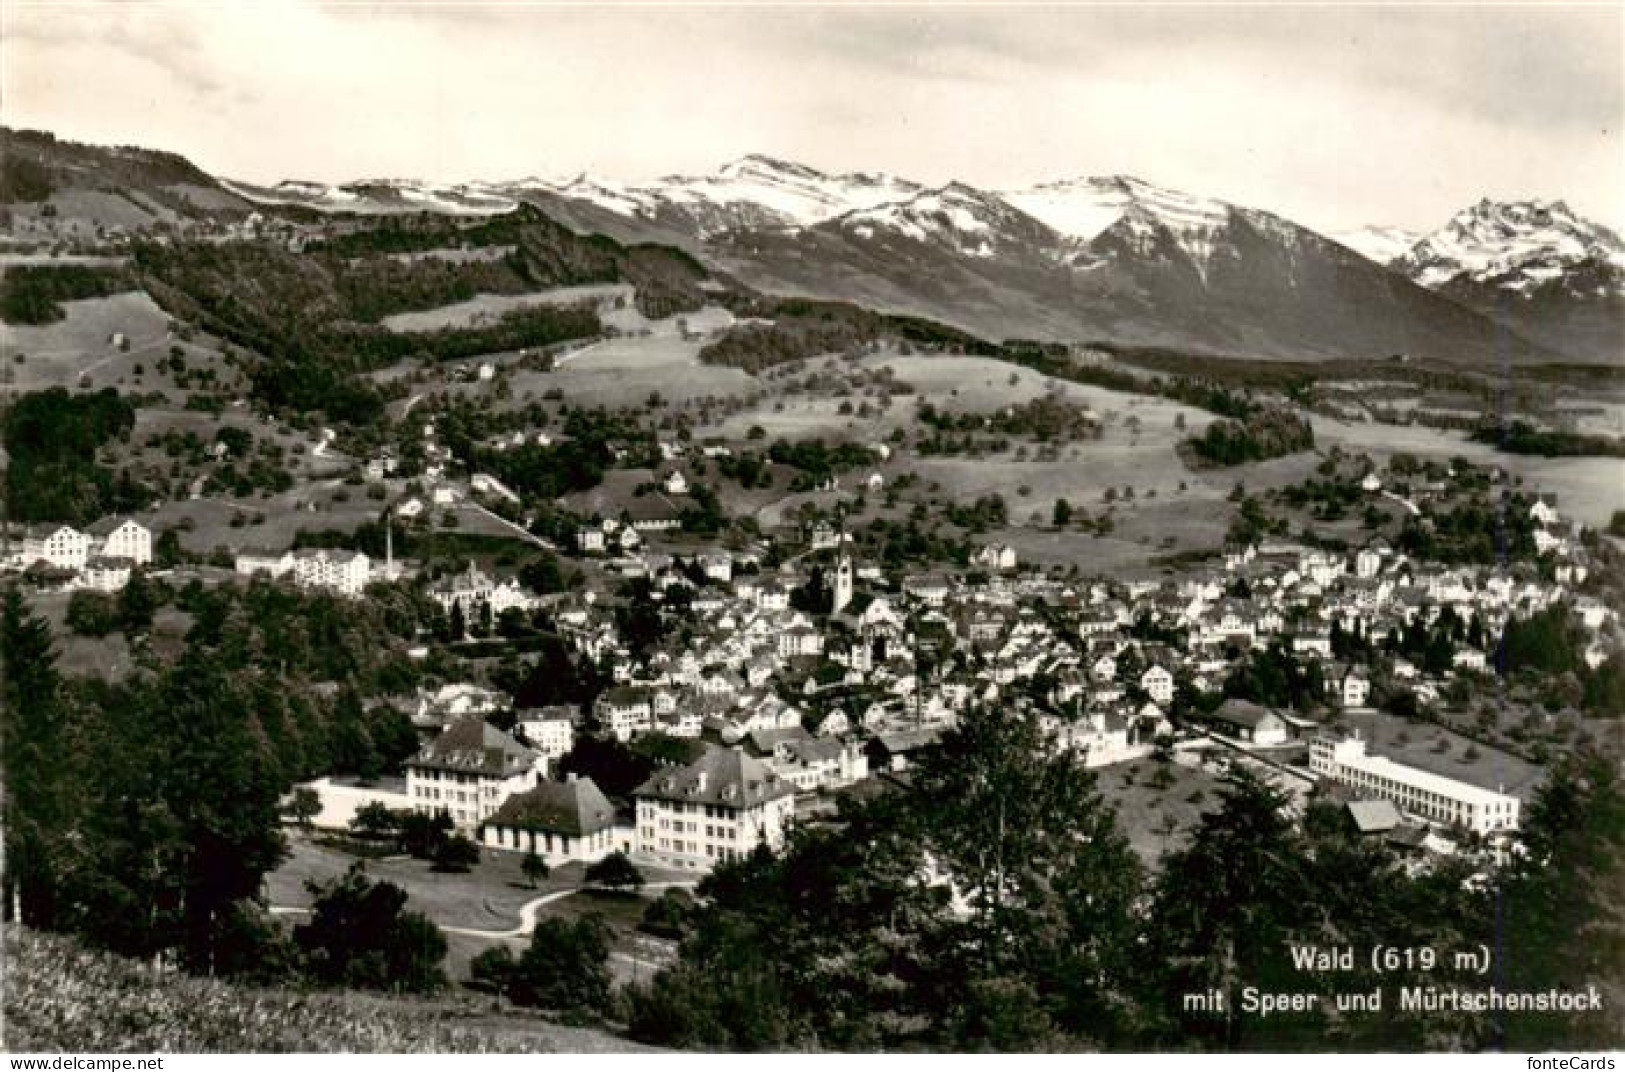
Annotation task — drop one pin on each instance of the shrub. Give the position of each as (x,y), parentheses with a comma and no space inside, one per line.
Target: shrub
(456,853)
(566,966)
(92,614)
(360,935)
(615,872)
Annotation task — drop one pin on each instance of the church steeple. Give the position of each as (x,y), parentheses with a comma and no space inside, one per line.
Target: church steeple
(843,572)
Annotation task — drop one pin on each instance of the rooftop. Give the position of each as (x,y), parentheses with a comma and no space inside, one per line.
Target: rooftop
(722,776)
(575,808)
(474,746)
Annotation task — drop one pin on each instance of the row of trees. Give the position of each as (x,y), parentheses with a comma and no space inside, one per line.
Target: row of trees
(31,294)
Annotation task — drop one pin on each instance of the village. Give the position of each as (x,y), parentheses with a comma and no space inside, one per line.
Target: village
(794,683)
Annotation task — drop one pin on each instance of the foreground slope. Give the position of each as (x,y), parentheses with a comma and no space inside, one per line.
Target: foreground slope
(59,996)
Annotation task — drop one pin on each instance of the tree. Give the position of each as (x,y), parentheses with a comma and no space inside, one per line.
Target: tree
(535,868)
(303,806)
(374,821)
(1224,903)
(1062,515)
(166,549)
(493,968)
(34,755)
(669,915)
(566,966)
(615,872)
(456,853)
(423,833)
(136,603)
(92,614)
(361,935)
(995,913)
(1558,908)
(1049,880)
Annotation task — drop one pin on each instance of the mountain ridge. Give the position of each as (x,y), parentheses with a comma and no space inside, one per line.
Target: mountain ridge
(1109,258)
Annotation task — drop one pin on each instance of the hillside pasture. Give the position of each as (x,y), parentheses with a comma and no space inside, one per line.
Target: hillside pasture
(60,996)
(270,522)
(488,308)
(626,371)
(58,354)
(1587,489)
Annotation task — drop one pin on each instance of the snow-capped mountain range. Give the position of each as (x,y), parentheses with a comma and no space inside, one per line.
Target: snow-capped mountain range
(381,196)
(1113,254)
(1519,246)
(1109,259)
(754,191)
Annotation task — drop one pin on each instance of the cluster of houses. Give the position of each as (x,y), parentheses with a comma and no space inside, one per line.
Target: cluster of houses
(100,558)
(780,703)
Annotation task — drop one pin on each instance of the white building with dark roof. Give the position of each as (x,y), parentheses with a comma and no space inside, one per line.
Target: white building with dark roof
(121,538)
(62,546)
(344,572)
(562,822)
(469,771)
(718,808)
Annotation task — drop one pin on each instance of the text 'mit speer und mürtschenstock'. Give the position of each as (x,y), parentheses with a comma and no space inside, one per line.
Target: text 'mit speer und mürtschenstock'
(1385,960)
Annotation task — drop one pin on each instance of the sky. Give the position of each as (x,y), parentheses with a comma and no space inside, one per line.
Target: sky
(1333,115)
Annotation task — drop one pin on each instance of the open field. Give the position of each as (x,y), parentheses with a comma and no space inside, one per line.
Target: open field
(487,898)
(58,354)
(1587,489)
(1156,819)
(78,352)
(488,308)
(270,522)
(625,371)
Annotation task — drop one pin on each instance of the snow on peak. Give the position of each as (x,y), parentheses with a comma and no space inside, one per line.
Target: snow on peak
(768,169)
(754,190)
(1384,245)
(961,217)
(380,197)
(1517,245)
(1084,208)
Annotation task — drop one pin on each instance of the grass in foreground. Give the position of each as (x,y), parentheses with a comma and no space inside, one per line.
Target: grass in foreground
(60,996)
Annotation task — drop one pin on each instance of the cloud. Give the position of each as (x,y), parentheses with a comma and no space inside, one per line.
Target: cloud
(1336,115)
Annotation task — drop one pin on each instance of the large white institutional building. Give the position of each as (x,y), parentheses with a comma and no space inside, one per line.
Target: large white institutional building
(1418,792)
